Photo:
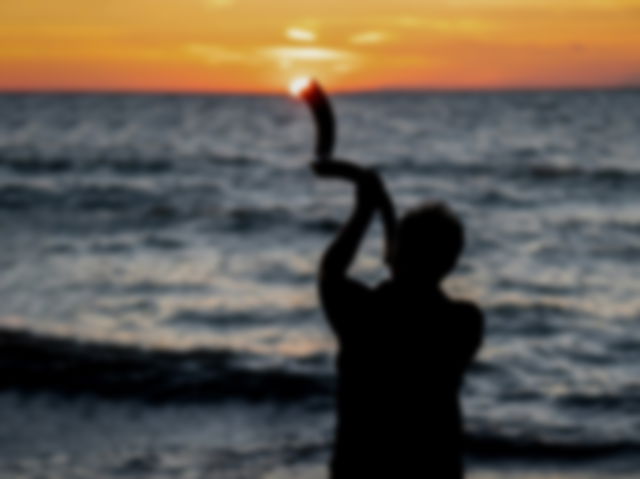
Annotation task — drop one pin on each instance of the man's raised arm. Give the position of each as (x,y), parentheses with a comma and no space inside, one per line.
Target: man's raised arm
(370,196)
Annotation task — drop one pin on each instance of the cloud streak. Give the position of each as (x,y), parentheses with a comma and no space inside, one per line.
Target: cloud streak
(300,34)
(310,54)
(369,38)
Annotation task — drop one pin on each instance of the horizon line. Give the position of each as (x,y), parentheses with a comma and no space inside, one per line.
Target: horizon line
(284,92)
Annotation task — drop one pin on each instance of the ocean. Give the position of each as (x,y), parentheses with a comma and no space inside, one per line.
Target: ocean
(158,310)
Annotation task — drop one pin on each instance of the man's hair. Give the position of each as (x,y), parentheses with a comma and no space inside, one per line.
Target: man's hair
(430,238)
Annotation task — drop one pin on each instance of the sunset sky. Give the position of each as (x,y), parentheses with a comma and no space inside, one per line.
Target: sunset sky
(259,45)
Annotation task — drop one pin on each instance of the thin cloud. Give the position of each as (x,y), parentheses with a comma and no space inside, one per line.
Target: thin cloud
(369,38)
(311,59)
(312,54)
(300,34)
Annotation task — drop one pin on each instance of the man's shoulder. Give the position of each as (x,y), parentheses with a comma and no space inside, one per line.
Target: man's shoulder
(470,313)
(467,308)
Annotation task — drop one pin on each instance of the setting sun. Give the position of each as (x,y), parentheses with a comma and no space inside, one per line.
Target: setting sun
(299,85)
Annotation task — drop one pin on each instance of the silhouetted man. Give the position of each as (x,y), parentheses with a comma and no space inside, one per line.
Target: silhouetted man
(404,345)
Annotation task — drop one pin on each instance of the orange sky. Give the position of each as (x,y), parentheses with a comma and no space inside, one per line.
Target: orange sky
(258,45)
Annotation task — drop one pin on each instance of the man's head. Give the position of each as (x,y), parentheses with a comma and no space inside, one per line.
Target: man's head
(429,240)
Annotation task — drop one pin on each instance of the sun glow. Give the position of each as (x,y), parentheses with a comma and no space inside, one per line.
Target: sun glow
(299,85)
(300,35)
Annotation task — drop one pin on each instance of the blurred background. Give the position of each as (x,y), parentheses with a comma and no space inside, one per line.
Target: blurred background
(160,228)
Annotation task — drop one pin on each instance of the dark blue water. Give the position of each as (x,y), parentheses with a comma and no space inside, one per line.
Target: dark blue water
(163,249)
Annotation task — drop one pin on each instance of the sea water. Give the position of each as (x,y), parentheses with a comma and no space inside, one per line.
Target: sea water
(158,256)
